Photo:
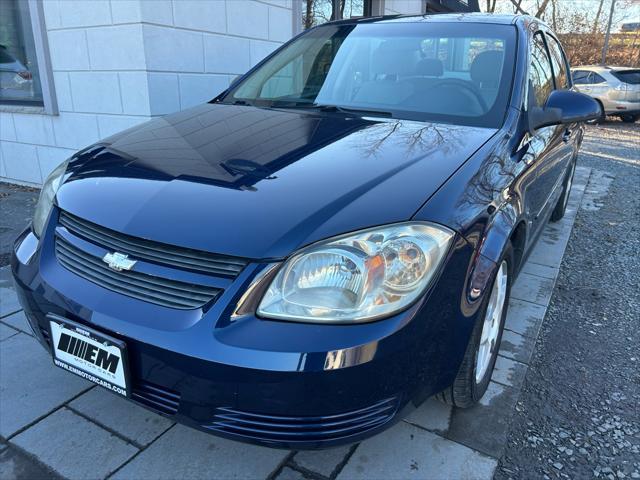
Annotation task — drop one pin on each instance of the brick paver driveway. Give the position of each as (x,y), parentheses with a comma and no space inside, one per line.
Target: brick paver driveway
(53,423)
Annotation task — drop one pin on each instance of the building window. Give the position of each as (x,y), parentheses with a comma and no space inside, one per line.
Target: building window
(20,80)
(444,6)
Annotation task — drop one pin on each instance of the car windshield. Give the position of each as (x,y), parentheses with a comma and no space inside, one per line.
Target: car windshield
(457,73)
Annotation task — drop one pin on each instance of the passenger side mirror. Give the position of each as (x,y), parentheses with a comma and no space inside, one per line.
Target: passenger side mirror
(564,106)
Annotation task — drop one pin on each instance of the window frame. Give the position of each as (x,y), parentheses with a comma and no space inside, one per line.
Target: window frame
(530,58)
(49,102)
(563,59)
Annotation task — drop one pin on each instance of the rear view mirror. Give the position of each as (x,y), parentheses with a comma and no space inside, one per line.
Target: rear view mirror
(564,106)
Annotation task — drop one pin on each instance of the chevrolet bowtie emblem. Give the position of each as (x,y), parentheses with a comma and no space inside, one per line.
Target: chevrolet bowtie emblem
(118,261)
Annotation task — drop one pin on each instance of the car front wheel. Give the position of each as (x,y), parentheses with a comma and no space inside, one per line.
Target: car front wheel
(475,372)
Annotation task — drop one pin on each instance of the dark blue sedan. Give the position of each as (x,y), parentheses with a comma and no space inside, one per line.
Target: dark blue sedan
(322,246)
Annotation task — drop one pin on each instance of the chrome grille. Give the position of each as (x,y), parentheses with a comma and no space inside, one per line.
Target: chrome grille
(161,253)
(161,291)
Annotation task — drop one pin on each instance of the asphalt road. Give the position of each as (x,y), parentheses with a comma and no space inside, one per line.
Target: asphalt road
(578,415)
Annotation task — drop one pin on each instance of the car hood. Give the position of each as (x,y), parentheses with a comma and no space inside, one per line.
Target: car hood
(259,183)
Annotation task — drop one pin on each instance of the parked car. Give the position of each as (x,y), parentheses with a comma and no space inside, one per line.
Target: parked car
(617,89)
(15,78)
(303,259)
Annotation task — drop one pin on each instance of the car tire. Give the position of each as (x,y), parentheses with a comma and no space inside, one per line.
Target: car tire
(476,369)
(563,201)
(630,118)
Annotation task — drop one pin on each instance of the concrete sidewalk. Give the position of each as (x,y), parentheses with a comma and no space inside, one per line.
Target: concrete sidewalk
(52,422)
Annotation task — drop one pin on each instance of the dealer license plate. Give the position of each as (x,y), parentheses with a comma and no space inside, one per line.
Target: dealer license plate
(92,355)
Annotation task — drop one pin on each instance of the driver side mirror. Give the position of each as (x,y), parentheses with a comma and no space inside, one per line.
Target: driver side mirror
(564,106)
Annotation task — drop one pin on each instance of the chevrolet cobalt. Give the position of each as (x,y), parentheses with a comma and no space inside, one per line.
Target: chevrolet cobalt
(330,241)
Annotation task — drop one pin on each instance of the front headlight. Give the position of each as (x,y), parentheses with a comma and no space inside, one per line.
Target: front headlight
(47,195)
(358,277)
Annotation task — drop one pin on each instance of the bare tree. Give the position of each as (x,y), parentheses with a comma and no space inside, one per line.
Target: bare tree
(542,8)
(597,20)
(608,34)
(491,6)
(517,5)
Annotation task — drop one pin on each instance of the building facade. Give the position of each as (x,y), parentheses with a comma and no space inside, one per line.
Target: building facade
(75,71)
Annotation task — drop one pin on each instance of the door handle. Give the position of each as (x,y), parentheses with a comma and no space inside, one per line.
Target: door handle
(566,136)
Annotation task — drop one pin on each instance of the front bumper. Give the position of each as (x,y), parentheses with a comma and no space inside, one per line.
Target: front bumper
(278,384)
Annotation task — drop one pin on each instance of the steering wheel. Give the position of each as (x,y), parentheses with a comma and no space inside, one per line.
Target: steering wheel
(469,87)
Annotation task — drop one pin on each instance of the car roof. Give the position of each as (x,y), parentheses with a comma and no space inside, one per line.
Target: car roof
(472,17)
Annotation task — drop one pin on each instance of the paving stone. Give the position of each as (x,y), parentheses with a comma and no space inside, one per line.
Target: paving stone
(533,289)
(290,474)
(552,243)
(31,385)
(547,252)
(129,420)
(8,299)
(74,447)
(19,322)
(406,451)
(517,347)
(432,415)
(580,177)
(15,465)
(540,270)
(485,426)
(509,372)
(524,317)
(323,462)
(7,332)
(189,454)
(558,233)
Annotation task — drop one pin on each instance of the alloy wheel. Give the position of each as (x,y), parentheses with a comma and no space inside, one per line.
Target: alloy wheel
(492,322)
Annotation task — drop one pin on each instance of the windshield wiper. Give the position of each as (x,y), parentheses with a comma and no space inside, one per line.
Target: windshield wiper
(361,111)
(330,108)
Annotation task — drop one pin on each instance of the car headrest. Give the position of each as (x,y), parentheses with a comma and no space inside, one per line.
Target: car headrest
(486,68)
(396,57)
(430,67)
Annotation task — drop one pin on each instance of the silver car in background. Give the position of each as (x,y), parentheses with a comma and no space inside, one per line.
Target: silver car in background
(616,88)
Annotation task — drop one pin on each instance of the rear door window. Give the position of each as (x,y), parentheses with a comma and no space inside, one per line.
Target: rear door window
(627,76)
